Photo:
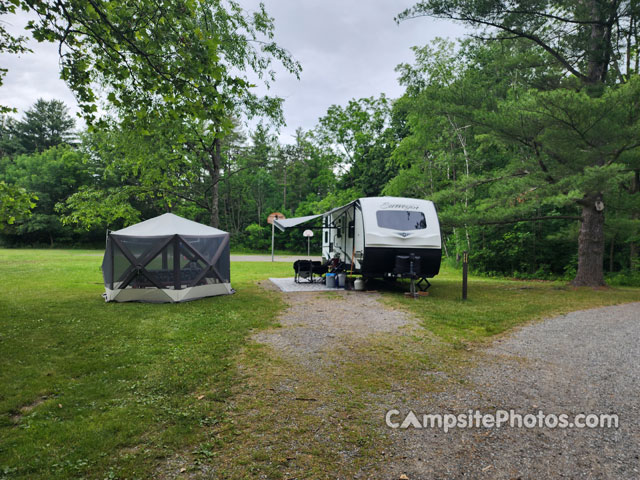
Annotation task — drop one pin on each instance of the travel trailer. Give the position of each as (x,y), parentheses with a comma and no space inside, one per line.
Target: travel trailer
(374,236)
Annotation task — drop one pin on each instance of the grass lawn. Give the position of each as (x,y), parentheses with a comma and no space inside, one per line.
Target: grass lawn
(287,253)
(99,390)
(90,389)
(494,305)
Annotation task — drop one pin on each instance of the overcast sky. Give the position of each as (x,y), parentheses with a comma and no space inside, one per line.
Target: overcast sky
(348,49)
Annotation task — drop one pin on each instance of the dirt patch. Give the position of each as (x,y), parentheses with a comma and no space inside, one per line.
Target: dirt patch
(301,407)
(316,326)
(28,408)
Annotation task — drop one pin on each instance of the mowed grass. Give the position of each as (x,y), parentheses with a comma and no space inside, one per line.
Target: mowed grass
(89,389)
(494,306)
(95,390)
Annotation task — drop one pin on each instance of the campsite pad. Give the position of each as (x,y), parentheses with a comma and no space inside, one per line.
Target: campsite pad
(289,285)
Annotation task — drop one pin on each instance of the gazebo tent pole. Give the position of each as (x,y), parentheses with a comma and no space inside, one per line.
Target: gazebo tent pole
(113,262)
(177,284)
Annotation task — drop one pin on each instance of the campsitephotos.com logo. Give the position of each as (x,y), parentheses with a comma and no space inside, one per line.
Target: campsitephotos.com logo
(499,419)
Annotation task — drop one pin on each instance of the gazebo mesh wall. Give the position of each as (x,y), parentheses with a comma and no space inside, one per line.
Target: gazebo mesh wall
(167,262)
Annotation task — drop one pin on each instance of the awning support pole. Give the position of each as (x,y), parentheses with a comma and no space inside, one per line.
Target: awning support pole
(273,236)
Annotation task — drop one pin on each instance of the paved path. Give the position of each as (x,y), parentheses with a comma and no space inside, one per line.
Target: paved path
(581,363)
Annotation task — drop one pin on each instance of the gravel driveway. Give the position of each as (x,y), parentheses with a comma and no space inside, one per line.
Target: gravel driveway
(583,362)
(316,324)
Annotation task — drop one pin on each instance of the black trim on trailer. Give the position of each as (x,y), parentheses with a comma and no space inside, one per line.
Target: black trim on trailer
(380,261)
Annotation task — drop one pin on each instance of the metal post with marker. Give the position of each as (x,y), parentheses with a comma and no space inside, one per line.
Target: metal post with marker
(272,219)
(273,236)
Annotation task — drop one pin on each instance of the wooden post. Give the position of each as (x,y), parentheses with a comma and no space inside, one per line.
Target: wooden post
(465,271)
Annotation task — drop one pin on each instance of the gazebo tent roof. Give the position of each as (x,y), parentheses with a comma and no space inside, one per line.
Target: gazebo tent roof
(169,224)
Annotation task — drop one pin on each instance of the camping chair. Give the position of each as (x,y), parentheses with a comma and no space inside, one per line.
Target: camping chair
(307,269)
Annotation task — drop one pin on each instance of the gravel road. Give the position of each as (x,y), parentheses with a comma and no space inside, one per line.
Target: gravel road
(583,362)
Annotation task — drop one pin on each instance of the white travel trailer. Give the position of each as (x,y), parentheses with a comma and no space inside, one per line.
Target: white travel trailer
(369,234)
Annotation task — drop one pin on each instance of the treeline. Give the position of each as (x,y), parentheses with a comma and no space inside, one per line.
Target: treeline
(84,182)
(526,136)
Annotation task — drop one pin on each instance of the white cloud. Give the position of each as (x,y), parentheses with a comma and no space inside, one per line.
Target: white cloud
(32,75)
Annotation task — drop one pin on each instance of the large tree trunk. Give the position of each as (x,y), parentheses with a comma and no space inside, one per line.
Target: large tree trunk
(591,240)
(216,156)
(591,245)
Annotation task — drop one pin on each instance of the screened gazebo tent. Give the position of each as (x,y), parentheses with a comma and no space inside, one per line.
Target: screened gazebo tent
(166,259)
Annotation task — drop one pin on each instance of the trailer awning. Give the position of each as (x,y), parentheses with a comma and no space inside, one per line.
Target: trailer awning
(293,222)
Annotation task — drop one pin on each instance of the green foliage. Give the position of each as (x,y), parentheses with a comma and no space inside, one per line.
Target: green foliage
(258,238)
(490,148)
(562,29)
(15,204)
(625,278)
(176,75)
(362,138)
(171,56)
(90,208)
(46,124)
(539,125)
(52,176)
(570,124)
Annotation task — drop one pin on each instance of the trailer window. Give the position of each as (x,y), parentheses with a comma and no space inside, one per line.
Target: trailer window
(401,220)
